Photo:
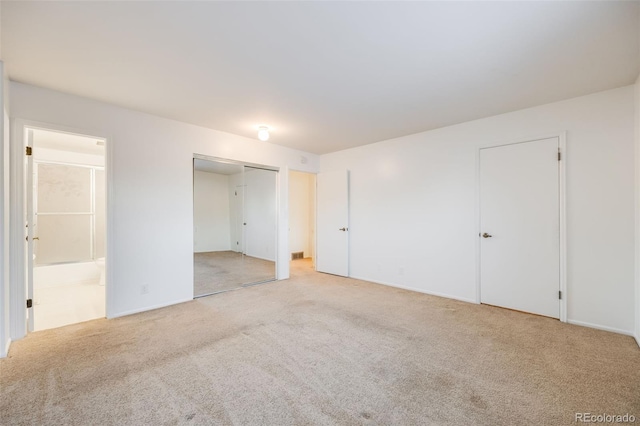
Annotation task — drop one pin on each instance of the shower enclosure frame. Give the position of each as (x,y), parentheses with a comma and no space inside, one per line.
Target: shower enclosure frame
(92,213)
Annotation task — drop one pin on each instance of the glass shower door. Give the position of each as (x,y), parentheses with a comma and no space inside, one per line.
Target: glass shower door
(64,214)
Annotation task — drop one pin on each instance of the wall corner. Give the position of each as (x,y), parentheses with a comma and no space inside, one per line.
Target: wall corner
(637,209)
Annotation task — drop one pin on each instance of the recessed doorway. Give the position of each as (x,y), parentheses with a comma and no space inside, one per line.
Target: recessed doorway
(302,220)
(66,216)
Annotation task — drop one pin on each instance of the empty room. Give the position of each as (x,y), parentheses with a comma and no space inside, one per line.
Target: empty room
(336,213)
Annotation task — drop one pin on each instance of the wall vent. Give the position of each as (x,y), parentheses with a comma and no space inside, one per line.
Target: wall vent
(297,255)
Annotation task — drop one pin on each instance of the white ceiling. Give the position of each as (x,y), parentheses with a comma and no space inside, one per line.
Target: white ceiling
(324,75)
(67,142)
(217,167)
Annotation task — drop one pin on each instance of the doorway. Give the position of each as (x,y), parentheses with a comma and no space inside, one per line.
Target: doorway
(235,225)
(302,220)
(66,221)
(521,209)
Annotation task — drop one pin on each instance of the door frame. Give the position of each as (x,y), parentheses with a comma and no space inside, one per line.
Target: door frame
(562,213)
(315,210)
(18,202)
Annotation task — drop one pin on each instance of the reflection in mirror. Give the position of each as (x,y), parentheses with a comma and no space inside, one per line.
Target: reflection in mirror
(234,226)
(260,220)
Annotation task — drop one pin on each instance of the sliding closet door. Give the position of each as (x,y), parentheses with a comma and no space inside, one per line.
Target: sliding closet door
(217,227)
(260,224)
(235,226)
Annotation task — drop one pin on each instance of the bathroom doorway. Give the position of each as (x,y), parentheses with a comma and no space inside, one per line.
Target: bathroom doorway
(66,220)
(302,220)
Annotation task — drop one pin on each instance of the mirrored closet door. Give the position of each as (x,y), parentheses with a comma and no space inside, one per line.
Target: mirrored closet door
(235,225)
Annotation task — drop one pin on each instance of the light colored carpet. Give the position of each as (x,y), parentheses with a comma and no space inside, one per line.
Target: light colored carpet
(217,271)
(319,349)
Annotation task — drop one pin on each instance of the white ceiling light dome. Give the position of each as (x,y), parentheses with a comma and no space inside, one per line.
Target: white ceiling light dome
(263,133)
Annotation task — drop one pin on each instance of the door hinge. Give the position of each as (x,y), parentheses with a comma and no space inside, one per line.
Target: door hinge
(29,303)
(560,295)
(29,150)
(559,155)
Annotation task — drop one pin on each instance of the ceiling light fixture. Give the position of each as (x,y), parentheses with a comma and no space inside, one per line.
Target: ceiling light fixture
(263,133)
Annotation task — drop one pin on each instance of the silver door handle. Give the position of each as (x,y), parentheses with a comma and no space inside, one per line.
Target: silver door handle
(343,229)
(485,235)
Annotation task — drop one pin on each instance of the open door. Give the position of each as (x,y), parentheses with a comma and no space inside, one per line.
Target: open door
(30,232)
(332,236)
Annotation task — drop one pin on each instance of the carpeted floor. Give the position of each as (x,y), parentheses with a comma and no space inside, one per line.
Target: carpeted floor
(319,349)
(218,271)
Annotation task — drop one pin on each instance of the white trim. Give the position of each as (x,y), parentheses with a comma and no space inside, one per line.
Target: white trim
(17,283)
(279,198)
(148,308)
(18,215)
(601,327)
(349,227)
(4,216)
(6,349)
(562,194)
(30,220)
(417,290)
(284,201)
(637,209)
(237,162)
(562,217)
(477,228)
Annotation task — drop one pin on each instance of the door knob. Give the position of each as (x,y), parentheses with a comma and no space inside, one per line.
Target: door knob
(485,235)
(343,229)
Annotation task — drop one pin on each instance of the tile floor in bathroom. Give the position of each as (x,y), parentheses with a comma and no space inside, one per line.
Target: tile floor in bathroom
(59,305)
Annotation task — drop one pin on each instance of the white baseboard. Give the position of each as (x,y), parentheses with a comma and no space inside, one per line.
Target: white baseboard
(6,349)
(418,290)
(601,327)
(637,337)
(261,258)
(148,308)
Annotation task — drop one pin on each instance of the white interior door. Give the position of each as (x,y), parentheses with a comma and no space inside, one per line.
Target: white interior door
(332,234)
(520,227)
(30,232)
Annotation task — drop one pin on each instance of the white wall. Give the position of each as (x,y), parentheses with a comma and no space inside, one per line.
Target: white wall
(637,211)
(151,206)
(260,213)
(4,221)
(211,212)
(301,212)
(312,216)
(413,204)
(56,155)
